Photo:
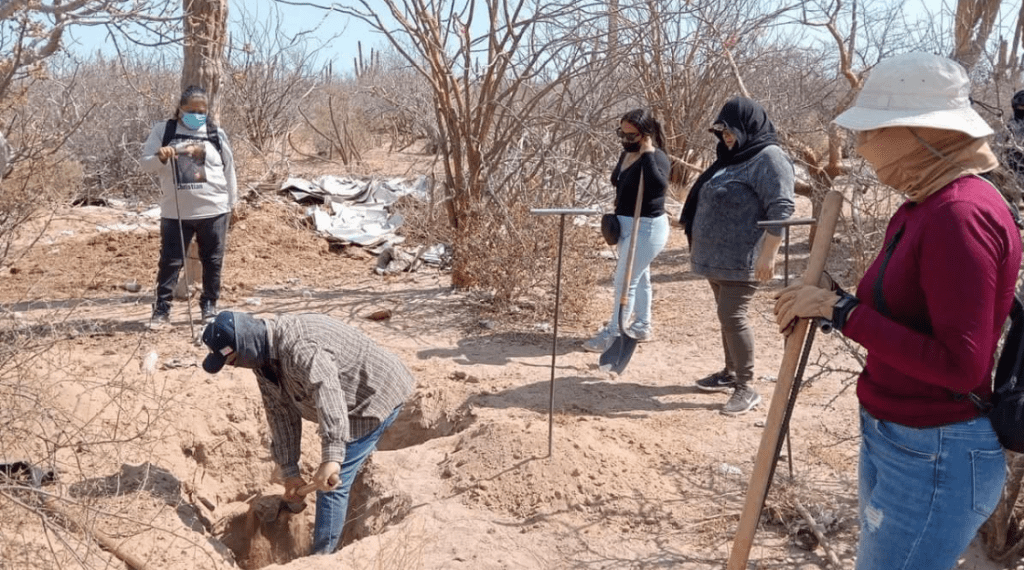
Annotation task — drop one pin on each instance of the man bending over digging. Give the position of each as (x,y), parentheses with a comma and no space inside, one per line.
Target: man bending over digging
(315,367)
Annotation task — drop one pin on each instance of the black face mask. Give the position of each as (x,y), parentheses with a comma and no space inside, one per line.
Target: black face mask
(1018,113)
(630,146)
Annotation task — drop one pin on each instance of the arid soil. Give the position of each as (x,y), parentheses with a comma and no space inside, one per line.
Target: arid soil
(167,462)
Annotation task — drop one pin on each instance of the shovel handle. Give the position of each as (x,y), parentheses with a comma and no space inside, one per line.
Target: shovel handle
(310,487)
(624,297)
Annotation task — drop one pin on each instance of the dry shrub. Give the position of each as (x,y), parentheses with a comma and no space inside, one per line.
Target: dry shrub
(513,256)
(29,197)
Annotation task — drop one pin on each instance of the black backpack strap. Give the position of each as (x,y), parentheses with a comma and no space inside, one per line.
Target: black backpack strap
(211,131)
(213,136)
(880,305)
(169,129)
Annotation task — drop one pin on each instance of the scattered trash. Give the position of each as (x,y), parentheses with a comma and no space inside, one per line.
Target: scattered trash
(149,364)
(394,259)
(726,469)
(350,210)
(24,473)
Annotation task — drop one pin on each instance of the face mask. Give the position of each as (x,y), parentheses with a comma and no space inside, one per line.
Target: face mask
(193,120)
(631,146)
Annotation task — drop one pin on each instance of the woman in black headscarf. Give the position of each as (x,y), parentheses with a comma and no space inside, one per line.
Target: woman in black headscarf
(751,180)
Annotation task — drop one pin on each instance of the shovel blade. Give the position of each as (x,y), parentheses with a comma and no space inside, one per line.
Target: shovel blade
(618,354)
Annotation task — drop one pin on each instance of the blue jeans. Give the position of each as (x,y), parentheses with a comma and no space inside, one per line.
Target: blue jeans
(924,492)
(651,239)
(211,237)
(332,506)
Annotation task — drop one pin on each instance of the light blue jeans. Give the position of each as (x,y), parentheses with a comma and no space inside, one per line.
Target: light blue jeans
(652,237)
(924,492)
(332,506)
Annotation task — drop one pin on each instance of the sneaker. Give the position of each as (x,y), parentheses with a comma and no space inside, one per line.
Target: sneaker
(743,400)
(160,317)
(721,381)
(208,310)
(640,332)
(600,343)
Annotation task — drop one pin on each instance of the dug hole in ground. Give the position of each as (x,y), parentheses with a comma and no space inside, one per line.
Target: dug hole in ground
(172,464)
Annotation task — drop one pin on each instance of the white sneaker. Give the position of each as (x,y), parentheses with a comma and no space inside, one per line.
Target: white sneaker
(600,343)
(640,333)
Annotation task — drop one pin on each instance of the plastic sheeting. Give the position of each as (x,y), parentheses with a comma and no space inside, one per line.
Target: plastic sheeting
(350,210)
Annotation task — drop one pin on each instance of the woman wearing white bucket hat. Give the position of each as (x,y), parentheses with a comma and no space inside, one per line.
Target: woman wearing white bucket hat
(929,312)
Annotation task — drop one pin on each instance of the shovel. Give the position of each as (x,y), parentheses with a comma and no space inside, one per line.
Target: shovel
(618,354)
(297,506)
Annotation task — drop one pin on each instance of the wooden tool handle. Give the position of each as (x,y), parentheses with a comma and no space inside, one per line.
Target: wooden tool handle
(758,488)
(624,297)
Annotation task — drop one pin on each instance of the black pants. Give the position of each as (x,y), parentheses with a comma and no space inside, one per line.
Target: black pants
(211,236)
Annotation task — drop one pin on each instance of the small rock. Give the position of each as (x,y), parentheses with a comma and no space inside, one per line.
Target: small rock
(487,324)
(253,301)
(759,423)
(132,286)
(379,315)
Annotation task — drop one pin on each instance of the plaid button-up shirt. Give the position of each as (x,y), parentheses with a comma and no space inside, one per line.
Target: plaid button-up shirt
(329,373)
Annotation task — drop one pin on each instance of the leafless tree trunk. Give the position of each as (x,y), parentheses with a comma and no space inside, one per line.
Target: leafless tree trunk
(205,38)
(487,90)
(972,28)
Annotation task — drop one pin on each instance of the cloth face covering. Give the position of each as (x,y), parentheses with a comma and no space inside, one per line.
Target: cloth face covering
(920,161)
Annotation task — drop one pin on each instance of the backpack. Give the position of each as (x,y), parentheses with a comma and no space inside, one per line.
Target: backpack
(211,131)
(1006,409)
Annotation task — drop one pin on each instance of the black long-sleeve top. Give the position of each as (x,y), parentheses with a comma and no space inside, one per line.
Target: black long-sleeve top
(655,166)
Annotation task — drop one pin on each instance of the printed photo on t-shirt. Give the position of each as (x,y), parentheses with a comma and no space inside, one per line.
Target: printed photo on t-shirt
(191,161)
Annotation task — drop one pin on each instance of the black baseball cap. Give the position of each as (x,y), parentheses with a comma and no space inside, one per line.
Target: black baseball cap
(219,336)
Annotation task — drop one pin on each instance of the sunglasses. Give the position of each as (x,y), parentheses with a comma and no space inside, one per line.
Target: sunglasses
(628,137)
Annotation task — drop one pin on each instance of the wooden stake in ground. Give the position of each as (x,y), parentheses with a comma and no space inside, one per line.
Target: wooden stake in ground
(764,465)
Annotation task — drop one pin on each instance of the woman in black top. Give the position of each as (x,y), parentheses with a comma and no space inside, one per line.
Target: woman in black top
(642,140)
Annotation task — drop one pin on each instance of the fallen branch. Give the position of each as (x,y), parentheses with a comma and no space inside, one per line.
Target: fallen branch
(817,530)
(105,540)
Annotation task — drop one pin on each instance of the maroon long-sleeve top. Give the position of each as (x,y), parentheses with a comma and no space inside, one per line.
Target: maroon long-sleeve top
(947,291)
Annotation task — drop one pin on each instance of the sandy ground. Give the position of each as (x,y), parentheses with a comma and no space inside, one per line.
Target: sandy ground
(642,470)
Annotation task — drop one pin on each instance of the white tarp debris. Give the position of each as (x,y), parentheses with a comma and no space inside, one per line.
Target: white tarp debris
(355,211)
